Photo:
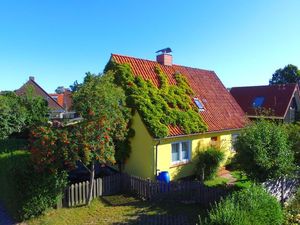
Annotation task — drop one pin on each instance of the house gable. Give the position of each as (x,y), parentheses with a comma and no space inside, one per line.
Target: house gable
(39,91)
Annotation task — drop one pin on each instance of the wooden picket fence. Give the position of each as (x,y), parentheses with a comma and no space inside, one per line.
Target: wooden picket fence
(185,191)
(76,194)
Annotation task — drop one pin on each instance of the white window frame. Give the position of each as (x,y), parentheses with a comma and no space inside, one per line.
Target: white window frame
(234,137)
(180,152)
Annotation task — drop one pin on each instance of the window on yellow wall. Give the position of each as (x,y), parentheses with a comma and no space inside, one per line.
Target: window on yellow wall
(214,141)
(181,152)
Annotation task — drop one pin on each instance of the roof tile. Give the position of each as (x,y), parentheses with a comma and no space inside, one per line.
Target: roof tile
(221,110)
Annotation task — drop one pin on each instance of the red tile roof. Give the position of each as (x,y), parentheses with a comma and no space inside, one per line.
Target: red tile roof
(276,97)
(221,110)
(59,98)
(64,100)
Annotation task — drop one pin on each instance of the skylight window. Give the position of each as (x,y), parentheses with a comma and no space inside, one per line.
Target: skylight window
(199,104)
(258,102)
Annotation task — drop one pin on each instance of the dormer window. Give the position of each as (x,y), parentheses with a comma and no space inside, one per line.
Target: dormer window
(258,102)
(199,104)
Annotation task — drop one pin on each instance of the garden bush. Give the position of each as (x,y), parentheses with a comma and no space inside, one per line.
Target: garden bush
(246,207)
(25,192)
(208,163)
(13,144)
(292,210)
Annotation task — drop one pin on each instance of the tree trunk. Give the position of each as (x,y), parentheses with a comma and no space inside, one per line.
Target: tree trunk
(90,192)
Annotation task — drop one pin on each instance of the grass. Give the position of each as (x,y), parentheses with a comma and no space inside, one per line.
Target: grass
(217,181)
(242,180)
(118,209)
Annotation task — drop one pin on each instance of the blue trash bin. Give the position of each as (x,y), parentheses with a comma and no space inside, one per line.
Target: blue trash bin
(164,176)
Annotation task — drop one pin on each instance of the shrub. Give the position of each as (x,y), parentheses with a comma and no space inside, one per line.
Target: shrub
(249,206)
(293,131)
(292,210)
(25,192)
(263,151)
(208,163)
(13,144)
(42,191)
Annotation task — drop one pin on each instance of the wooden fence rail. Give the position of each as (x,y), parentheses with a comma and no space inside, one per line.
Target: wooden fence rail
(185,191)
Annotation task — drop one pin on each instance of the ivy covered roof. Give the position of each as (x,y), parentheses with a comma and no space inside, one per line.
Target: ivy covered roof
(221,111)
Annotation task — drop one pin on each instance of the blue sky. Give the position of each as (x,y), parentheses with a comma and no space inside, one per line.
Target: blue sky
(56,41)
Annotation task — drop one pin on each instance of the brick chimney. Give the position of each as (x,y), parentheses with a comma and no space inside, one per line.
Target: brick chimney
(31,78)
(164,57)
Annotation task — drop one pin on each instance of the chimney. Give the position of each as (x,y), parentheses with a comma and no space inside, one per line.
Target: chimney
(164,57)
(31,78)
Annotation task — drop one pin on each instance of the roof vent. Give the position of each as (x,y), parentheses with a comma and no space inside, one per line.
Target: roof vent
(164,57)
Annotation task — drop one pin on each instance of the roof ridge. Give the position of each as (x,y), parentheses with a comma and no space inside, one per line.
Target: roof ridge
(256,86)
(153,61)
(43,90)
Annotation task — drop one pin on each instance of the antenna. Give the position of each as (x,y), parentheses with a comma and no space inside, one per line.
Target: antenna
(164,50)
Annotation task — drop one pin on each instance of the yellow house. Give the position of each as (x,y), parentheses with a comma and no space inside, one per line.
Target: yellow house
(176,152)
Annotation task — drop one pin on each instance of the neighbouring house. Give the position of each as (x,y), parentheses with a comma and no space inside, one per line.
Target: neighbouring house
(176,152)
(59,104)
(64,99)
(280,102)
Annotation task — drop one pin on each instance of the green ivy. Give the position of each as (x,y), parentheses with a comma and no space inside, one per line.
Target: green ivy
(160,106)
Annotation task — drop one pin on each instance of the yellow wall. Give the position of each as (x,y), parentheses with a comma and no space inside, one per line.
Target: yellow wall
(141,160)
(143,149)
(198,143)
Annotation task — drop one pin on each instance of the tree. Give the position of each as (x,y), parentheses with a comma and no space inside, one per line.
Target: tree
(37,111)
(19,113)
(263,151)
(12,114)
(293,131)
(289,74)
(101,103)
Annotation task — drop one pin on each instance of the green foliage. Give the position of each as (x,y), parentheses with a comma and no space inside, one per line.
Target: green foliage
(292,210)
(9,145)
(24,191)
(12,115)
(20,113)
(208,163)
(159,107)
(57,149)
(289,74)
(249,206)
(37,111)
(293,131)
(99,97)
(263,151)
(43,191)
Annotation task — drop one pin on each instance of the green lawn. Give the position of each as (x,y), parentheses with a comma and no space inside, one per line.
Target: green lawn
(217,181)
(117,209)
(242,180)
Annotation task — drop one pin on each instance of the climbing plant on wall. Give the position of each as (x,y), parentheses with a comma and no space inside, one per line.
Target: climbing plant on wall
(162,106)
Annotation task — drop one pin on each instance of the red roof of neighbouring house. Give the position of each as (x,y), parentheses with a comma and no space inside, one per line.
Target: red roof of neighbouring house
(59,98)
(64,100)
(38,90)
(277,98)
(221,110)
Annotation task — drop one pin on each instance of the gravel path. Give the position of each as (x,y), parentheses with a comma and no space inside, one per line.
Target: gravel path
(4,218)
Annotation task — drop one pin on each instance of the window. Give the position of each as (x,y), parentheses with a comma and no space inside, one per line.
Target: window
(258,102)
(181,152)
(233,141)
(199,104)
(214,141)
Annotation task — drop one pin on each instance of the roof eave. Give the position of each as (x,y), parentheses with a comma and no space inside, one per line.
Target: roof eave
(196,134)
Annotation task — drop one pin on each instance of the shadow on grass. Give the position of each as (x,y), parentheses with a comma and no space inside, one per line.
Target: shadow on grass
(148,212)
